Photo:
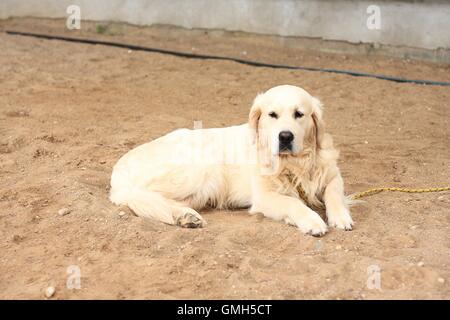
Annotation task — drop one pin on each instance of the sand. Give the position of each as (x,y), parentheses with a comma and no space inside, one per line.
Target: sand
(68,112)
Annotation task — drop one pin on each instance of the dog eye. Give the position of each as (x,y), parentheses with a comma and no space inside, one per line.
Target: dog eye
(298,114)
(273,115)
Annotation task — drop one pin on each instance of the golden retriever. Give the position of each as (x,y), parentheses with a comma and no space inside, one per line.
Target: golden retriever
(281,163)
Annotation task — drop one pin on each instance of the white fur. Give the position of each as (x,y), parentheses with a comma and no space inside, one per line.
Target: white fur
(168,179)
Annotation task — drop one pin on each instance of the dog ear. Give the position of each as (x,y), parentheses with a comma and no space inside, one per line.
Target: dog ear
(253,118)
(319,127)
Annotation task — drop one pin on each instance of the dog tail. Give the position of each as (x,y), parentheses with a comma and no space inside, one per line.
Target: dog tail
(144,203)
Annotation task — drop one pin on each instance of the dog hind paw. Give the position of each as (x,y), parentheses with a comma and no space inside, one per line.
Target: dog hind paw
(190,220)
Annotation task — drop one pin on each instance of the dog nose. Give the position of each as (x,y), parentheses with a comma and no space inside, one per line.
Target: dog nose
(286,137)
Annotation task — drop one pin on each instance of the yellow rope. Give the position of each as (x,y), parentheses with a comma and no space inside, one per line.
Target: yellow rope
(378,190)
(304,197)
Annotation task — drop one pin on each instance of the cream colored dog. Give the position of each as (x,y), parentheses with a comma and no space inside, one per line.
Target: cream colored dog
(261,165)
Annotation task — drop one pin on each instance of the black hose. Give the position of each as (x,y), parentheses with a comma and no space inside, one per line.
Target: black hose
(238,60)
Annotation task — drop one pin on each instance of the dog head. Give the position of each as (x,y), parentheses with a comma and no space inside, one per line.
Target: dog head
(285,120)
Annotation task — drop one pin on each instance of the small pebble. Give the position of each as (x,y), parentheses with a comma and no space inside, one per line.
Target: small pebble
(122,213)
(49,292)
(64,211)
(338,247)
(17,238)
(421,264)
(441,280)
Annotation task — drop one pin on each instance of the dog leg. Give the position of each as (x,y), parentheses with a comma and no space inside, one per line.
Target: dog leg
(291,210)
(151,204)
(337,210)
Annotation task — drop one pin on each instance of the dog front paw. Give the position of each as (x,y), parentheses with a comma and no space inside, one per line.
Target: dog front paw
(312,224)
(340,219)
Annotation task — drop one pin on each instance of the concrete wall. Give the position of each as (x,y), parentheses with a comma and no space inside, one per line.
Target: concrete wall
(420,24)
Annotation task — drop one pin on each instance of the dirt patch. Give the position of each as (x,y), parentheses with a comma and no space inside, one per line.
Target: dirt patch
(69,111)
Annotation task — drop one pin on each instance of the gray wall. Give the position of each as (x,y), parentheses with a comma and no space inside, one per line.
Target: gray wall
(420,24)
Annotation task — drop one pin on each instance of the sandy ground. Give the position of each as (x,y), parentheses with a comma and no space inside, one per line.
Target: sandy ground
(69,111)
